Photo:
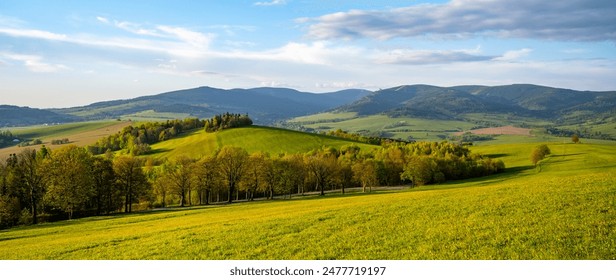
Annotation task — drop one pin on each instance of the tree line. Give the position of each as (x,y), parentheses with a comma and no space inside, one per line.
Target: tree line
(6,138)
(72,181)
(136,140)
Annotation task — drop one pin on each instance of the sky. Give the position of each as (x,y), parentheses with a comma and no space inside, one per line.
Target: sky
(56,54)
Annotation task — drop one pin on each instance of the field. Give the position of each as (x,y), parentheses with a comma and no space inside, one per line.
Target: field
(417,129)
(565,211)
(254,138)
(81,134)
(501,130)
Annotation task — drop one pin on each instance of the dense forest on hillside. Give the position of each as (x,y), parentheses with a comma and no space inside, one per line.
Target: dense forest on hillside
(72,182)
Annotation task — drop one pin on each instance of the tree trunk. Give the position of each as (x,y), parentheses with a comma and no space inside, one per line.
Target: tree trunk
(34,214)
(231,189)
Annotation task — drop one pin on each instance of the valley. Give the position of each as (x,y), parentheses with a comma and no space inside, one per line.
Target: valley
(560,209)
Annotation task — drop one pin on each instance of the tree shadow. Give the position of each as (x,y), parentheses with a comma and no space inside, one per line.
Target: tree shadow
(496,155)
(158,151)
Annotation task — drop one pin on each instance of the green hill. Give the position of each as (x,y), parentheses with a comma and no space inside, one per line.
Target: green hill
(566,211)
(253,139)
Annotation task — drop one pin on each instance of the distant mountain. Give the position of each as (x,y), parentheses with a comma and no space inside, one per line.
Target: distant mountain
(267,105)
(22,116)
(264,105)
(452,102)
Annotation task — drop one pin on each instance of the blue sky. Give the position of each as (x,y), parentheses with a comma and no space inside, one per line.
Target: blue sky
(67,53)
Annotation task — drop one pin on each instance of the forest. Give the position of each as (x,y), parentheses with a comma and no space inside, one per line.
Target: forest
(71,181)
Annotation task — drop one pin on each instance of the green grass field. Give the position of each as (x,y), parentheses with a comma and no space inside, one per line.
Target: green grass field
(254,138)
(565,211)
(61,130)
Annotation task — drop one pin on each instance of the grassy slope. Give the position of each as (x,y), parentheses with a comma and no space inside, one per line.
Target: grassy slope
(81,134)
(566,211)
(255,138)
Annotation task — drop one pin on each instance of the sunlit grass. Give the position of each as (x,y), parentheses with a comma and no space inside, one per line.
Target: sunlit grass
(565,211)
(253,139)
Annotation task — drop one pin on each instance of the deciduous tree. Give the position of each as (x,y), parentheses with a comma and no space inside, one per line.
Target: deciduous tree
(69,178)
(231,164)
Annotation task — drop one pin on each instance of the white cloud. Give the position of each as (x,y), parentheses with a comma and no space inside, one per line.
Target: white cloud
(34,63)
(102,19)
(514,55)
(271,3)
(571,20)
(417,57)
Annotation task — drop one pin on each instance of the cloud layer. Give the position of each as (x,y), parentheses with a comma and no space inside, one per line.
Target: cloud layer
(564,20)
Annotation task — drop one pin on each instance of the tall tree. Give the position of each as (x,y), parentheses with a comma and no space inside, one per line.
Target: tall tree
(231,163)
(130,179)
(104,185)
(365,173)
(321,165)
(207,178)
(31,175)
(180,174)
(69,178)
(255,171)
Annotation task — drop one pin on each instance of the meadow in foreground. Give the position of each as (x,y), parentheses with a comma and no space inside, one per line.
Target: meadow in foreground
(566,211)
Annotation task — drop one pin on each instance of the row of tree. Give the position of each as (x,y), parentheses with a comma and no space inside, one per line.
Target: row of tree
(66,181)
(72,180)
(136,140)
(6,138)
(225,121)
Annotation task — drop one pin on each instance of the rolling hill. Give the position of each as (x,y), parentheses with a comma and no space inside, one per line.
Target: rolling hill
(522,100)
(23,116)
(566,211)
(253,139)
(264,105)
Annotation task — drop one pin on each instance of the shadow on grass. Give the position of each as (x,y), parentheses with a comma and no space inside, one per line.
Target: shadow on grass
(496,155)
(158,151)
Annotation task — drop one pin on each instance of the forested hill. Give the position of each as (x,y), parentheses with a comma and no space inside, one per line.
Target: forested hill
(265,105)
(525,100)
(22,116)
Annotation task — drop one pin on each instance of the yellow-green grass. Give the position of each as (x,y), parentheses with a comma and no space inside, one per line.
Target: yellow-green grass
(321,117)
(151,115)
(566,211)
(61,130)
(419,129)
(253,139)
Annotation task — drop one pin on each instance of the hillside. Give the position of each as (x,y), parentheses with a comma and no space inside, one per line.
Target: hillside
(563,212)
(253,139)
(452,103)
(264,105)
(23,116)
(79,133)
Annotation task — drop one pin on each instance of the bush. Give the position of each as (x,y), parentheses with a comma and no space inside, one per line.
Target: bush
(26,217)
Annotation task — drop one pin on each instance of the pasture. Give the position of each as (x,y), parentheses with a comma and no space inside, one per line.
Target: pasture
(253,139)
(565,211)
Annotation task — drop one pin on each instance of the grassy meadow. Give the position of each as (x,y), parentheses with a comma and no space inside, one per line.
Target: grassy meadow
(253,139)
(565,210)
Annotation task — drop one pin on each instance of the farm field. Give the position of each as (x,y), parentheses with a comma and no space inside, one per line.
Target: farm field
(80,134)
(565,211)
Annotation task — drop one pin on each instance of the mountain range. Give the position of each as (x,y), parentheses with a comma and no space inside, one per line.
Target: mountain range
(523,100)
(266,105)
